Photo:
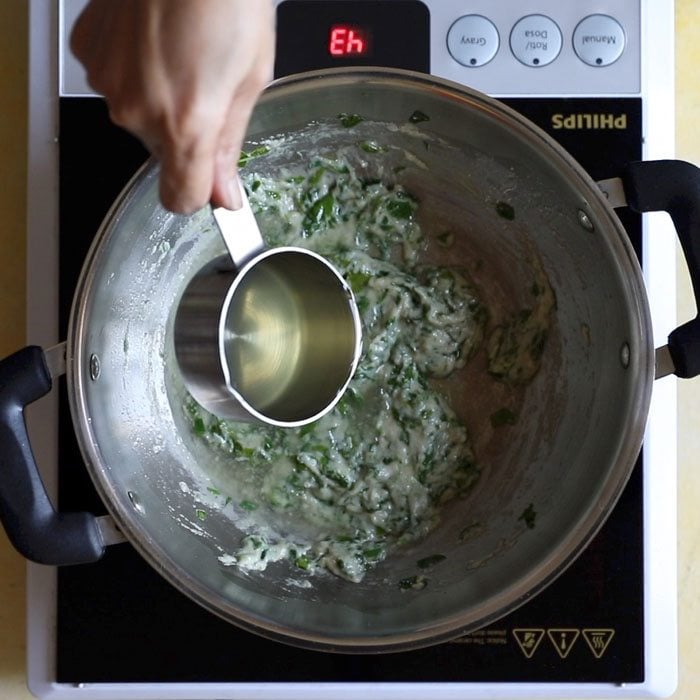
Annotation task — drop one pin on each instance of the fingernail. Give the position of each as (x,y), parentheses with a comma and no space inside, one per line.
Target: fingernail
(234,193)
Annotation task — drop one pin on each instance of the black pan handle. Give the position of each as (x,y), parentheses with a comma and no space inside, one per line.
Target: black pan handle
(674,186)
(33,525)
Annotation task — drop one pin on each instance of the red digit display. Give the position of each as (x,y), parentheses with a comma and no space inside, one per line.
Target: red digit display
(345,40)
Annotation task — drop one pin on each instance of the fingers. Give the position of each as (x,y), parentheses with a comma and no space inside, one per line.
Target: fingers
(96,40)
(214,176)
(184,78)
(88,29)
(199,164)
(226,192)
(187,165)
(213,163)
(206,170)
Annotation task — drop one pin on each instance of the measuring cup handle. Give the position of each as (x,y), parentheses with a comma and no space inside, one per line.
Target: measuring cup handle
(240,231)
(673,186)
(34,527)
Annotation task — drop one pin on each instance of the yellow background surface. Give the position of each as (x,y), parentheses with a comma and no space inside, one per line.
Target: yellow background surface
(13,171)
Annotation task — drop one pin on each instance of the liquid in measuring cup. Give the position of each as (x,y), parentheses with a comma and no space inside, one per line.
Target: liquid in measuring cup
(264,336)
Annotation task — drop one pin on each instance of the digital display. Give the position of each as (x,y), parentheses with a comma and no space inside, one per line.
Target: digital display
(315,34)
(345,40)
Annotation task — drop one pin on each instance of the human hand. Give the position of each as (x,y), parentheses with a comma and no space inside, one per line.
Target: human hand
(183,76)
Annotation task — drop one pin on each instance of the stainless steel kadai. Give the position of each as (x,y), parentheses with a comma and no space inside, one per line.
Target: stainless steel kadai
(570,452)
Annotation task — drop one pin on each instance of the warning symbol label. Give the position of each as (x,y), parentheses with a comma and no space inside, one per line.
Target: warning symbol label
(528,640)
(563,640)
(598,640)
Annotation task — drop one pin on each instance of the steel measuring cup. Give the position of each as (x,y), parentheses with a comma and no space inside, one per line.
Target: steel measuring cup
(275,338)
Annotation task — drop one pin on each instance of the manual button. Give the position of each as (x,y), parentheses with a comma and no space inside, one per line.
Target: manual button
(535,40)
(599,40)
(473,40)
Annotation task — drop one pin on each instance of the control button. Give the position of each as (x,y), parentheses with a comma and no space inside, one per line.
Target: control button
(599,40)
(473,40)
(535,40)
